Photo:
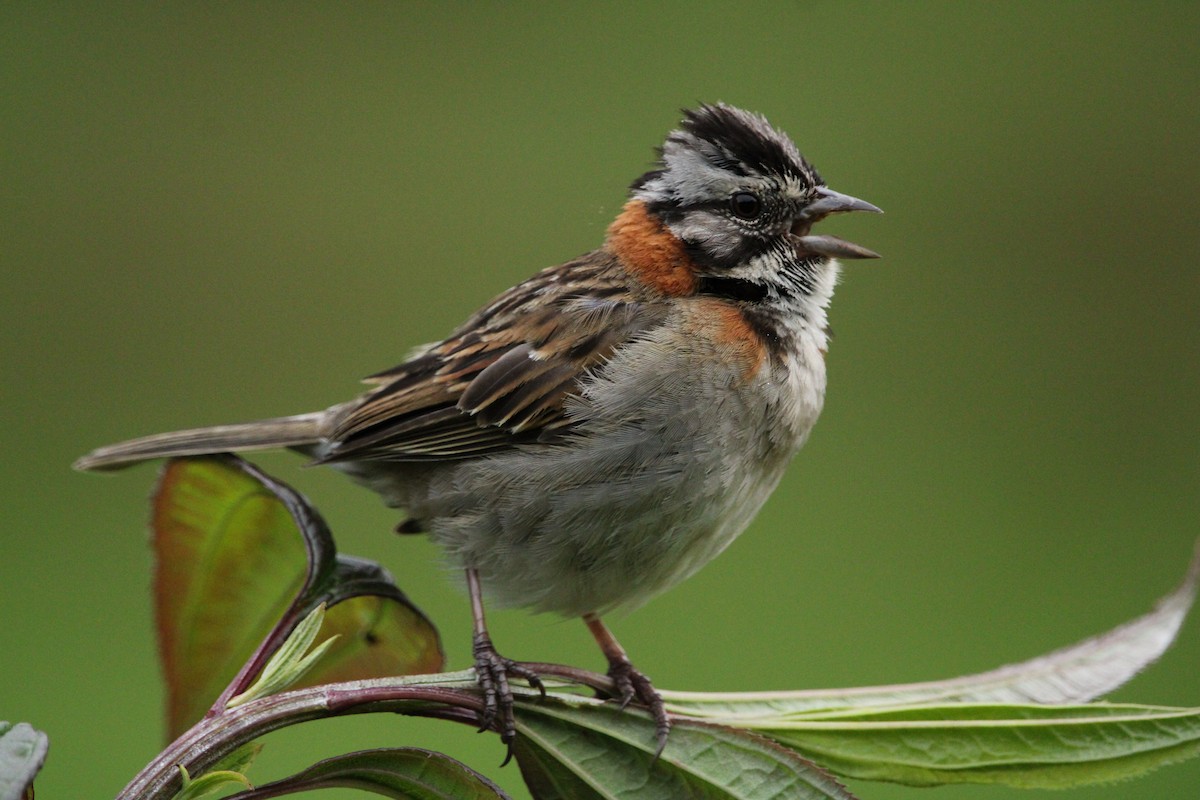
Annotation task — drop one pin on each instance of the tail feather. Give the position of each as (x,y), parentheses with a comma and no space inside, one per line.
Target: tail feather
(264,434)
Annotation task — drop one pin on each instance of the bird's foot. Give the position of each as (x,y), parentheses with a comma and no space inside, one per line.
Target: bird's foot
(630,685)
(492,670)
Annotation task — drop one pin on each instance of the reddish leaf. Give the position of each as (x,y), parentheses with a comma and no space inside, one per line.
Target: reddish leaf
(240,559)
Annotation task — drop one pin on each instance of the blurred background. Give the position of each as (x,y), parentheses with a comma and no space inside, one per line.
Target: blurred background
(222,212)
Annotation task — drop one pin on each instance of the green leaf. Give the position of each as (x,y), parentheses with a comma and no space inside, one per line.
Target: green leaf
(240,560)
(291,661)
(22,753)
(378,631)
(406,773)
(1019,725)
(1074,674)
(241,759)
(369,637)
(1025,746)
(209,783)
(583,750)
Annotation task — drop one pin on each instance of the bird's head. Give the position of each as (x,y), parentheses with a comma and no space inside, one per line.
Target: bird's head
(741,199)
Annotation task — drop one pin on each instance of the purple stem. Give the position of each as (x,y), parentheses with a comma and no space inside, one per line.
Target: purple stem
(214,737)
(223,730)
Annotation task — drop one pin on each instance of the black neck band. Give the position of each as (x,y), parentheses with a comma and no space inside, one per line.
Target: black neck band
(732,289)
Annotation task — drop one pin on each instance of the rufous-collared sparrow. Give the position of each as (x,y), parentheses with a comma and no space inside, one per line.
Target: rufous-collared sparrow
(601,431)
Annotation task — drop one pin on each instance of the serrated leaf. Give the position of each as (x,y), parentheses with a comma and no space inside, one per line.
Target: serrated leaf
(1074,674)
(405,773)
(579,752)
(240,560)
(22,752)
(1025,746)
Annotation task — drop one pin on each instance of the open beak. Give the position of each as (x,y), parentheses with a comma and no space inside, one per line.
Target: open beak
(829,202)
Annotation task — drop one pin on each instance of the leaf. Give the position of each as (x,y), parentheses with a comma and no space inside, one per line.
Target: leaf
(228,565)
(589,750)
(22,753)
(373,635)
(405,773)
(241,559)
(376,627)
(1074,674)
(1011,725)
(1025,746)
(241,759)
(291,661)
(209,784)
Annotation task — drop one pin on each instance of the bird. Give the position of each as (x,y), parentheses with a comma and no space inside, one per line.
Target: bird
(599,432)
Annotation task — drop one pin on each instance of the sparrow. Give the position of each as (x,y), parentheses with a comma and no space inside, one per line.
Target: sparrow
(599,432)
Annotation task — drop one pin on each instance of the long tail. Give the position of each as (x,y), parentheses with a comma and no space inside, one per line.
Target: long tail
(294,431)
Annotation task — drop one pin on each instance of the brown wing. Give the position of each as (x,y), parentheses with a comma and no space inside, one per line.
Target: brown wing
(503,377)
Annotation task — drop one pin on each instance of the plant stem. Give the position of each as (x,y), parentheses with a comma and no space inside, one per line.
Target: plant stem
(214,737)
(452,695)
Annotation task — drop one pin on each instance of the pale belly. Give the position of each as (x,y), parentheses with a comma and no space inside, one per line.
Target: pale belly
(665,471)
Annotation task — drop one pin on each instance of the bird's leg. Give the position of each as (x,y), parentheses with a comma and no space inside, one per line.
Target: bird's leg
(492,671)
(630,684)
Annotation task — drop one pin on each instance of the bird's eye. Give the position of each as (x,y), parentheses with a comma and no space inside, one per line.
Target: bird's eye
(745,205)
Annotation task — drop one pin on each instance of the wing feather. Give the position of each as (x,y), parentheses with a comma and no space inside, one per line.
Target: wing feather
(502,379)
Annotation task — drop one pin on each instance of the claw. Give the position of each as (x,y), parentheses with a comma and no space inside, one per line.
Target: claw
(492,671)
(631,685)
(628,683)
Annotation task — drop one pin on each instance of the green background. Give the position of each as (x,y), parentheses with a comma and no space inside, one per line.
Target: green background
(219,212)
